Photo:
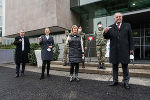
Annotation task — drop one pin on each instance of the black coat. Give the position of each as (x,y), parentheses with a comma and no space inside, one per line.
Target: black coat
(47,55)
(18,55)
(121,42)
(75,51)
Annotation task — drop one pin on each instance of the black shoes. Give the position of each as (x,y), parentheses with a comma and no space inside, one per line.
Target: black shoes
(42,77)
(113,84)
(126,86)
(17,75)
(48,75)
(65,64)
(101,66)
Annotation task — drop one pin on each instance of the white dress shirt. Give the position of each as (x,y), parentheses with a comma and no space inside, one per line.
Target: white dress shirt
(47,36)
(119,25)
(22,43)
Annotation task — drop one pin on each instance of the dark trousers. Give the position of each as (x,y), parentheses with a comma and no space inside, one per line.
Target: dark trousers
(72,68)
(23,63)
(44,65)
(18,68)
(125,69)
(83,60)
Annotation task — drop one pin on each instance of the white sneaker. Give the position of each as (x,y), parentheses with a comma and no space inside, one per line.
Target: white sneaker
(77,79)
(71,78)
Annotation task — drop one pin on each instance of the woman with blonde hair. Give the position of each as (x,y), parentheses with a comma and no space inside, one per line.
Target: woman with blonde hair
(76,51)
(47,44)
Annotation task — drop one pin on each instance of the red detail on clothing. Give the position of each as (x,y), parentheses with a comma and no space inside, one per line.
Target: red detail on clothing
(90,38)
(118,26)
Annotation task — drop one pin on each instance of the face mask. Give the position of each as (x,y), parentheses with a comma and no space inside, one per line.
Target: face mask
(100,25)
(79,30)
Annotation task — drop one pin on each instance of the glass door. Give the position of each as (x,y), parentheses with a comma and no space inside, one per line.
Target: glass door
(137,39)
(141,38)
(146,44)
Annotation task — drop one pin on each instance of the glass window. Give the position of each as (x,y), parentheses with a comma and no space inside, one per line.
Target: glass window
(0,20)
(0,31)
(0,2)
(83,2)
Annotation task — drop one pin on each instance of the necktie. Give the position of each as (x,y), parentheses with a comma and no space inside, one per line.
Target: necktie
(118,26)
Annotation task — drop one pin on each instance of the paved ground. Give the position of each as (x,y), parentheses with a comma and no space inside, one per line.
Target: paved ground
(57,87)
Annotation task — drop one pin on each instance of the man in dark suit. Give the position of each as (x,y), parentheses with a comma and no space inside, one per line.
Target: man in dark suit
(22,49)
(121,45)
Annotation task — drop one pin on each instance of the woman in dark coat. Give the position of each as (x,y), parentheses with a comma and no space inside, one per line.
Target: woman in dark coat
(76,51)
(47,44)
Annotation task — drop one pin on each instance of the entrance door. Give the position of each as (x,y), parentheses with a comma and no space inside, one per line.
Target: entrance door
(141,38)
(146,44)
(140,23)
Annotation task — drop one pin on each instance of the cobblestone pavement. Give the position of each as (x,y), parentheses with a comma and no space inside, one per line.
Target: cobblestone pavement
(58,87)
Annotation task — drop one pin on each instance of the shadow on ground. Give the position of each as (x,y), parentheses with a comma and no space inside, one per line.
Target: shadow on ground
(30,87)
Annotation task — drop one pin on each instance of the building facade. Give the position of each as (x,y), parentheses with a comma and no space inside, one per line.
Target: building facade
(34,15)
(0,21)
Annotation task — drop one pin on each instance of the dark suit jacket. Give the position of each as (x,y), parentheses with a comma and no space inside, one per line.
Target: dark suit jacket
(18,55)
(121,42)
(47,55)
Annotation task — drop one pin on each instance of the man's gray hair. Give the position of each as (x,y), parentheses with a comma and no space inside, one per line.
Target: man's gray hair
(22,30)
(118,13)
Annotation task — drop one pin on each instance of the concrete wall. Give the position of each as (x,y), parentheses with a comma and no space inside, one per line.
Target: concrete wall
(65,17)
(37,14)
(3,17)
(29,15)
(0,10)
